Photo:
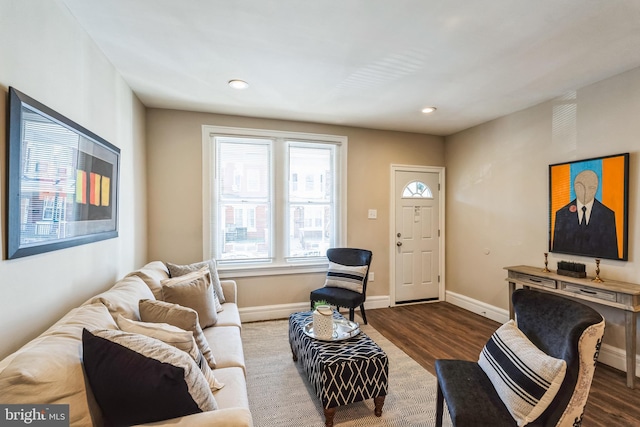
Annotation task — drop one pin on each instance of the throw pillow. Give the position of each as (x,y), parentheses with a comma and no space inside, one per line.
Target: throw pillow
(176,337)
(526,378)
(137,379)
(180,270)
(183,317)
(346,276)
(193,290)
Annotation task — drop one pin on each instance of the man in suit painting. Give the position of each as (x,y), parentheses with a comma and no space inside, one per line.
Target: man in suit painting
(585,226)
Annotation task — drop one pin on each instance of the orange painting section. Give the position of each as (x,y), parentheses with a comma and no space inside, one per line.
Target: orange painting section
(560,191)
(612,192)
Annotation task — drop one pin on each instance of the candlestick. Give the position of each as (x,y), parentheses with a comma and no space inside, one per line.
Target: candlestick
(546,264)
(597,279)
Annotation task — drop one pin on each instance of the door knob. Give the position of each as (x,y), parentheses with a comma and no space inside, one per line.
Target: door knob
(399,244)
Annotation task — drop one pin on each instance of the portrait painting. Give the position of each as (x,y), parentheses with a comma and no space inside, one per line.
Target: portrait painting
(588,207)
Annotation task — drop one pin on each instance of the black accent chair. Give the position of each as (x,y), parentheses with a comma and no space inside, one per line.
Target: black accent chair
(561,328)
(343,297)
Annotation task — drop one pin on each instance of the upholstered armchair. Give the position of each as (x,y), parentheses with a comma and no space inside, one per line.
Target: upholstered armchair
(346,282)
(536,371)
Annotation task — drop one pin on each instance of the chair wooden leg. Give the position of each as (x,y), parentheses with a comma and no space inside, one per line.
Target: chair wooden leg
(352,313)
(364,316)
(439,406)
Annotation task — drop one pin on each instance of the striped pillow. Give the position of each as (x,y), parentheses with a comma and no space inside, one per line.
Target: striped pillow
(526,378)
(346,276)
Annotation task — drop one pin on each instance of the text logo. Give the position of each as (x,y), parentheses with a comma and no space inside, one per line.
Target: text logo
(34,415)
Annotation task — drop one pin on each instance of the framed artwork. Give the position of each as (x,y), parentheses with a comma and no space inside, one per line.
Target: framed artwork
(62,181)
(588,207)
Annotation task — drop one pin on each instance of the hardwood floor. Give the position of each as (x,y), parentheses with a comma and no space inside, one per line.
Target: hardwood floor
(427,332)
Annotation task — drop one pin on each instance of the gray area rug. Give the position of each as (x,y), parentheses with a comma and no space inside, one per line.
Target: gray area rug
(281,396)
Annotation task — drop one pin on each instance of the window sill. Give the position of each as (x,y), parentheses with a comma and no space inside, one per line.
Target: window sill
(236,271)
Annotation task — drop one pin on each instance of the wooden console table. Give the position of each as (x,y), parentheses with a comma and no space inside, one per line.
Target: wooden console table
(611,293)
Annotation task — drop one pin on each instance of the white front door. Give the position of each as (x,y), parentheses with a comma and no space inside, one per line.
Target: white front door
(417,245)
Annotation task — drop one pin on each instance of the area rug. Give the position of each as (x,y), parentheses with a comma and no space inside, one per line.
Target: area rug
(281,396)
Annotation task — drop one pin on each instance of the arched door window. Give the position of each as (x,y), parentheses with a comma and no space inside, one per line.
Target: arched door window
(417,189)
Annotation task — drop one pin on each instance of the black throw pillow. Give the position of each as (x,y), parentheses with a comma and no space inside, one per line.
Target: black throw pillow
(136,379)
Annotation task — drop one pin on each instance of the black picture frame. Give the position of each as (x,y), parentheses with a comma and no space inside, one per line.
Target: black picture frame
(603,183)
(63,181)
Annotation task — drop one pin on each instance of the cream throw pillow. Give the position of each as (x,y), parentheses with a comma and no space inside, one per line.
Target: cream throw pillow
(183,317)
(193,290)
(176,337)
(176,270)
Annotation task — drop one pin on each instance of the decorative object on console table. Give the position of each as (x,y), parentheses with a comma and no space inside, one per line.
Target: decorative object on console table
(597,278)
(572,269)
(62,181)
(546,263)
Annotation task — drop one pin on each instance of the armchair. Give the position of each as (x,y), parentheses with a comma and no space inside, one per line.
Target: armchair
(346,284)
(498,390)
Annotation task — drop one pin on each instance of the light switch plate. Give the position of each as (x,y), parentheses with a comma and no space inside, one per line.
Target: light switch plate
(373,213)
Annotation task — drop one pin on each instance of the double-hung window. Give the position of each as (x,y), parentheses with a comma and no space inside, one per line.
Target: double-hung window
(273,201)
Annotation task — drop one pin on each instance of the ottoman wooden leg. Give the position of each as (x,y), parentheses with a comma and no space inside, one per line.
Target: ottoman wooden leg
(379,402)
(328,416)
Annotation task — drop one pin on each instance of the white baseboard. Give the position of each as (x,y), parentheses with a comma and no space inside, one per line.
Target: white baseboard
(609,355)
(616,358)
(282,311)
(499,315)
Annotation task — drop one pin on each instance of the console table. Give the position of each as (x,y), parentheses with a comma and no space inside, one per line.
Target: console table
(611,293)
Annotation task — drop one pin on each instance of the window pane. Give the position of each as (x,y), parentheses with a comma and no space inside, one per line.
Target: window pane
(311,205)
(244,212)
(310,228)
(245,231)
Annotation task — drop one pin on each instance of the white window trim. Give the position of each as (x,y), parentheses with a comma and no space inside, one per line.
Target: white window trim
(266,269)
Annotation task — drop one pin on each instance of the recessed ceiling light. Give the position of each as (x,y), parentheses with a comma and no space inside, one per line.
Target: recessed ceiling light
(238,84)
(428,110)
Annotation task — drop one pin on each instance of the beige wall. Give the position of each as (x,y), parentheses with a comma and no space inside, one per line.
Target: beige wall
(497,182)
(47,55)
(175,194)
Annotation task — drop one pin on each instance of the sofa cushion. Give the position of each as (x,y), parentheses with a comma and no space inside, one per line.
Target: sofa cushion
(122,298)
(183,317)
(346,276)
(193,290)
(152,274)
(226,345)
(180,270)
(230,316)
(234,394)
(36,376)
(137,379)
(525,378)
(176,337)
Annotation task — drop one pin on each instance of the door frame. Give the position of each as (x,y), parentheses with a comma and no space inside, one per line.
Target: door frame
(392,224)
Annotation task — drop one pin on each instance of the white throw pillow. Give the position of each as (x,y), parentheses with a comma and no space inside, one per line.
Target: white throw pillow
(526,378)
(346,277)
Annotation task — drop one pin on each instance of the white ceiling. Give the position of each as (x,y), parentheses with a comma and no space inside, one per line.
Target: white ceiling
(366,63)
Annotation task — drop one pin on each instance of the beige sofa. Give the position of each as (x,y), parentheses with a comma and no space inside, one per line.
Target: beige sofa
(49,370)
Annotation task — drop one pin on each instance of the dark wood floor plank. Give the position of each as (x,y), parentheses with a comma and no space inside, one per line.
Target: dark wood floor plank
(431,331)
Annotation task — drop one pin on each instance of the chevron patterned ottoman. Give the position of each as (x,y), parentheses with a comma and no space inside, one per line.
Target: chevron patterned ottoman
(341,372)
